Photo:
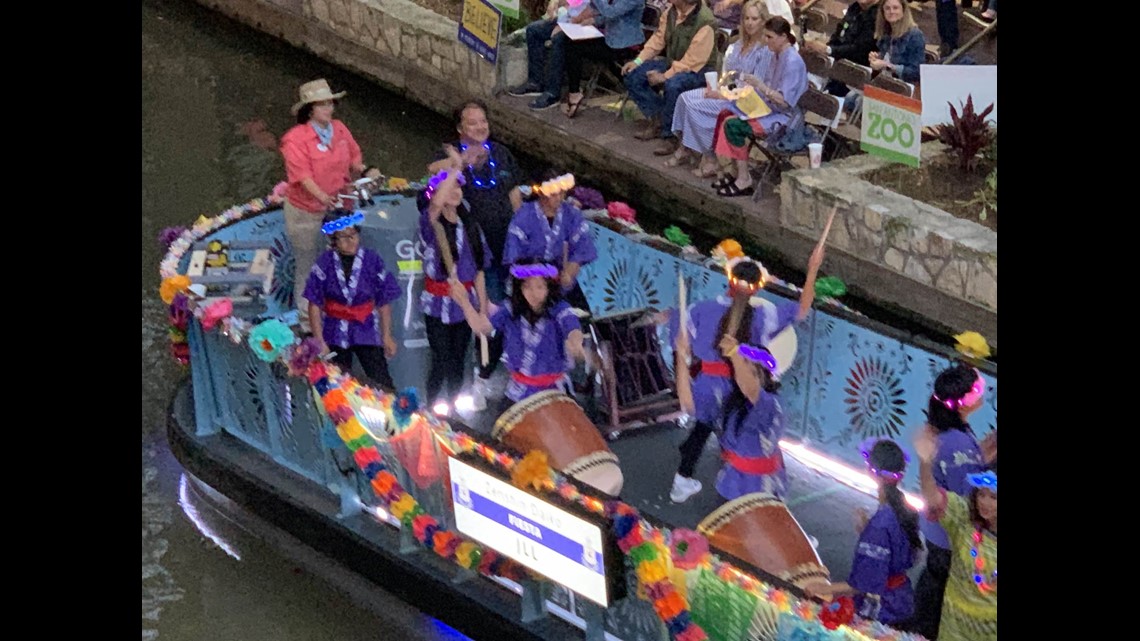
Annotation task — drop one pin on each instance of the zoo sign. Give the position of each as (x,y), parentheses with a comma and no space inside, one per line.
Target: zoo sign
(892,126)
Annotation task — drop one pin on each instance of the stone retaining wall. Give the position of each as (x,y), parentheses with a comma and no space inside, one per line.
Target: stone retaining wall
(912,238)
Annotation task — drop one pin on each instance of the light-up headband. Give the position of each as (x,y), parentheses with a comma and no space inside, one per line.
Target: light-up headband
(758,355)
(437,180)
(529,271)
(351,220)
(563,183)
(977,391)
(737,283)
(865,449)
(983,480)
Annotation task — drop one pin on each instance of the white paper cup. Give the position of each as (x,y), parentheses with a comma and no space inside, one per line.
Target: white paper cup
(710,80)
(815,153)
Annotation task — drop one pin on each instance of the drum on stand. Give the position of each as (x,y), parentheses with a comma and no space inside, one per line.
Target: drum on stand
(553,423)
(759,529)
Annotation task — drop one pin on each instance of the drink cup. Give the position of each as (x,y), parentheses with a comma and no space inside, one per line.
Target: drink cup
(815,153)
(710,80)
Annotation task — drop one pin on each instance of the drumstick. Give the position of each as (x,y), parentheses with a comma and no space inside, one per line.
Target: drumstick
(827,226)
(449,266)
(684,392)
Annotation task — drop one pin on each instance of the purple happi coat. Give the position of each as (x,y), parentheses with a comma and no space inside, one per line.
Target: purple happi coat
(538,349)
(369,280)
(882,557)
(754,431)
(532,235)
(709,392)
(958,456)
(441,306)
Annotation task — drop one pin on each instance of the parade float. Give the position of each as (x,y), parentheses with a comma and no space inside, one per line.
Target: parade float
(396,492)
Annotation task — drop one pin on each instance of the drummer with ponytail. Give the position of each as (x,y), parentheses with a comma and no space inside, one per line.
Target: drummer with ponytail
(747,320)
(889,542)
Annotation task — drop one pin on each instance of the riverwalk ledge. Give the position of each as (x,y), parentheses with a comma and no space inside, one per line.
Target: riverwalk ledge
(886,247)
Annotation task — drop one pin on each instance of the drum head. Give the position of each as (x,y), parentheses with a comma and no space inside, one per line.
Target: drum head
(783,345)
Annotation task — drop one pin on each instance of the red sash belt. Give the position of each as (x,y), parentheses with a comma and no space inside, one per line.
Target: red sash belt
(753,464)
(716,368)
(538,380)
(896,581)
(442,287)
(357,313)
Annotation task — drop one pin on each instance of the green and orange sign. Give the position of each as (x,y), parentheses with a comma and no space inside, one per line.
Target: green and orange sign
(892,126)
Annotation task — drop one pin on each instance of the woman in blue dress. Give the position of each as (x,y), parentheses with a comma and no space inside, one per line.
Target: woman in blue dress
(889,541)
(697,111)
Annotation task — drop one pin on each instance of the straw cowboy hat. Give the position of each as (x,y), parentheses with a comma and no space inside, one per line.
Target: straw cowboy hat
(316,91)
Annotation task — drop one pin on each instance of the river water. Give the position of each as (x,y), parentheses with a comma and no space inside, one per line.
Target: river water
(216,96)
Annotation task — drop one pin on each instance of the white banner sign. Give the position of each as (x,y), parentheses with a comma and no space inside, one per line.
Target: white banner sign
(945,85)
(563,547)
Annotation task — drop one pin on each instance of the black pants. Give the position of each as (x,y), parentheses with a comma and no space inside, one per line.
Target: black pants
(448,347)
(494,353)
(692,447)
(372,361)
(592,49)
(928,594)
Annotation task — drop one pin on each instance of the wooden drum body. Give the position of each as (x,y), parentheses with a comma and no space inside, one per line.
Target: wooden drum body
(553,423)
(759,529)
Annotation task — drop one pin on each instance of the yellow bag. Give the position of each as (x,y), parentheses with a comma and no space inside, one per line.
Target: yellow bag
(750,103)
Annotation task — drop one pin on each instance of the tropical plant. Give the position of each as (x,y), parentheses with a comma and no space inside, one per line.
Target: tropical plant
(968,133)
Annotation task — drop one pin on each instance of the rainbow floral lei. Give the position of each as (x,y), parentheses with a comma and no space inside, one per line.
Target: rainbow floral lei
(649,549)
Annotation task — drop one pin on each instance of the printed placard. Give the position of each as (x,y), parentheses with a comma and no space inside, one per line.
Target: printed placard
(892,126)
(479,27)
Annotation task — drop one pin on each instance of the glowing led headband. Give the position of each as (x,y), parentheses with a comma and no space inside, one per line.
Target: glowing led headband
(351,220)
(438,179)
(529,271)
(758,355)
(977,391)
(983,480)
(743,284)
(565,182)
(887,475)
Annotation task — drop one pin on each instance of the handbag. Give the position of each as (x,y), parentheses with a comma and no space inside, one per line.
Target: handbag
(793,137)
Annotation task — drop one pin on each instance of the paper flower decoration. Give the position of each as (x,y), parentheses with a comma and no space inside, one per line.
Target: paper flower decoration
(171,286)
(180,311)
(621,211)
(169,235)
(216,311)
(302,355)
(728,249)
(674,234)
(406,403)
(688,548)
(972,344)
(270,338)
(839,612)
(830,287)
(397,184)
(532,471)
(588,198)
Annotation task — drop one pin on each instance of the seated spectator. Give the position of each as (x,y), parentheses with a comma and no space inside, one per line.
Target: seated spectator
(673,60)
(698,109)
(779,84)
(902,47)
(853,39)
(620,23)
(537,34)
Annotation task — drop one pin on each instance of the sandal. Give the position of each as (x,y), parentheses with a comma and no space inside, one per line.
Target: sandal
(702,171)
(731,190)
(675,161)
(572,108)
(723,181)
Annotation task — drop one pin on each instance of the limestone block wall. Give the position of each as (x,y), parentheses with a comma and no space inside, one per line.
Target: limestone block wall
(407,48)
(920,241)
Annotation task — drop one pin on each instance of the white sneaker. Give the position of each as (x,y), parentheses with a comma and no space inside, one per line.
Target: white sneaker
(683,488)
(479,393)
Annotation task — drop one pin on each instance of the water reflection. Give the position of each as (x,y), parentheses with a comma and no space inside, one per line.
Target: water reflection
(216,99)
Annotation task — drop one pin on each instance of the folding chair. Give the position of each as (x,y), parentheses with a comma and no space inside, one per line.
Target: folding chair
(815,19)
(821,112)
(818,67)
(893,85)
(854,76)
(650,18)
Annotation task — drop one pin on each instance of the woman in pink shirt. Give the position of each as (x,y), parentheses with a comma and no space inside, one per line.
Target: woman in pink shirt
(321,157)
